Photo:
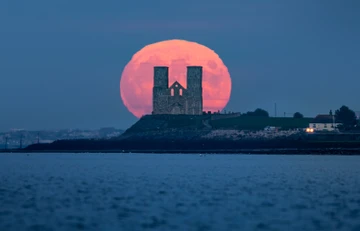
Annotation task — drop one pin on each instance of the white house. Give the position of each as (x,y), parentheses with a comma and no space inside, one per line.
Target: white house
(324,123)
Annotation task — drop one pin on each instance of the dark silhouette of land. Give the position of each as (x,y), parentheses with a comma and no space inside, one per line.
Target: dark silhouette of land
(213,134)
(211,146)
(251,132)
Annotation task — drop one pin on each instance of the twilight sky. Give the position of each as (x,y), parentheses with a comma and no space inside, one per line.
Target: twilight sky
(61,61)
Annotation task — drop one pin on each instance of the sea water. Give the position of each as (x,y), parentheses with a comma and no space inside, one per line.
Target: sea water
(179,192)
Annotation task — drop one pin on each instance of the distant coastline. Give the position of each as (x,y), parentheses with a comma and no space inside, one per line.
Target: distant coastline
(271,151)
(273,146)
(203,134)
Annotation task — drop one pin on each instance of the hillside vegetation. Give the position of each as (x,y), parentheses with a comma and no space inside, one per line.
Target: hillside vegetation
(258,123)
(163,122)
(205,122)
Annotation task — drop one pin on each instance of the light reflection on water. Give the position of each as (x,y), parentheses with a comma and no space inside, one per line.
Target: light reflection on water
(179,192)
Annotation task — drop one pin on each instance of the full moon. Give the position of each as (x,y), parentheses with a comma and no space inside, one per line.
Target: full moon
(137,78)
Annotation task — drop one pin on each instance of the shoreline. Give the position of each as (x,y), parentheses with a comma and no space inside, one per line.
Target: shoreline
(269,151)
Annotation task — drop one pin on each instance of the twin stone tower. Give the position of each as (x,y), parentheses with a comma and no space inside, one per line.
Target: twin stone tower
(176,99)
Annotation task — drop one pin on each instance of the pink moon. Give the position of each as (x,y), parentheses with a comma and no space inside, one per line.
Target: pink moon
(137,77)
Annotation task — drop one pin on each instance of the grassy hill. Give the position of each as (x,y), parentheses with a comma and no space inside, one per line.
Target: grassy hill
(162,122)
(204,122)
(258,123)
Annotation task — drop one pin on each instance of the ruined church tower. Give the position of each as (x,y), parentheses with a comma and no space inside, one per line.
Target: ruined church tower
(194,90)
(160,90)
(175,99)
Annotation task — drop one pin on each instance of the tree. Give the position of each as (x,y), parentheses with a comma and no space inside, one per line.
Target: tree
(298,115)
(347,117)
(258,112)
(261,112)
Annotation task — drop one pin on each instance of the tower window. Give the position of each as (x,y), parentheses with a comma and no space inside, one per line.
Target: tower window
(180,92)
(172,92)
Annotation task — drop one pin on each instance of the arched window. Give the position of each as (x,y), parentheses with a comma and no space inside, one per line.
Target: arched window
(180,91)
(172,92)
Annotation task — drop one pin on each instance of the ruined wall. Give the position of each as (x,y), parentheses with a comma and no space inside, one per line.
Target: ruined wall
(177,99)
(225,116)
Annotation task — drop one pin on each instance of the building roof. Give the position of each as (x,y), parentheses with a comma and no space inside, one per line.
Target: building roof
(324,119)
(177,84)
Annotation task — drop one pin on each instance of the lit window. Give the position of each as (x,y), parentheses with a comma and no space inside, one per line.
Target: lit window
(180,91)
(172,92)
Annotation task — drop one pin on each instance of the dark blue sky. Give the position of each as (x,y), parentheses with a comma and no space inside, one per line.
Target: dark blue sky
(61,61)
